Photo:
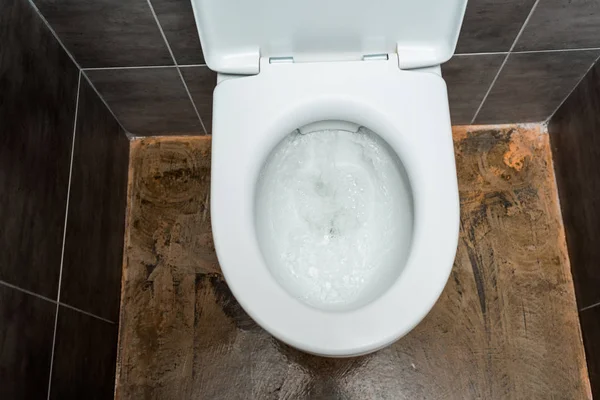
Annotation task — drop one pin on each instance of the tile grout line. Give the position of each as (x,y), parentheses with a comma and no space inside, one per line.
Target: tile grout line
(512,47)
(574,88)
(89,81)
(589,307)
(483,53)
(62,254)
(130,136)
(128,67)
(492,53)
(70,55)
(144,67)
(555,50)
(177,66)
(49,300)
(192,65)
(487,93)
(192,100)
(87,313)
(10,285)
(39,13)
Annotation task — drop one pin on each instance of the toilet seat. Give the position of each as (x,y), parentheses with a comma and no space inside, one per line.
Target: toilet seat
(409,110)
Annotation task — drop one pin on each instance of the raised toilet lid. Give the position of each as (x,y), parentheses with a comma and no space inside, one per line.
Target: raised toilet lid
(236,33)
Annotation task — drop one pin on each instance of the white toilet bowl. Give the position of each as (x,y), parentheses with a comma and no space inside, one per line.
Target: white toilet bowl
(399,115)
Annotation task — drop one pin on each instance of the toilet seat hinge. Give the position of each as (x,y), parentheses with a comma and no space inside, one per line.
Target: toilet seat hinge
(366,57)
(376,57)
(280,60)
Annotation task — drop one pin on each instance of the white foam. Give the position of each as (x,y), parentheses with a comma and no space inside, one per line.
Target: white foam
(334,216)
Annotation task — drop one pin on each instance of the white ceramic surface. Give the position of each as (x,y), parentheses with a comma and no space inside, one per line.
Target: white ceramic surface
(407,109)
(235,34)
(334,215)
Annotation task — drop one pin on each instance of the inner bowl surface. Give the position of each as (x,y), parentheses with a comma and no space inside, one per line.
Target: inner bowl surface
(334,215)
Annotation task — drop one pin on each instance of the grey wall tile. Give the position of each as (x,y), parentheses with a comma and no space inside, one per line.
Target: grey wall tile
(26,330)
(468,79)
(201,82)
(92,265)
(107,33)
(531,86)
(590,325)
(85,356)
(38,85)
(177,20)
(560,24)
(492,25)
(148,100)
(575,137)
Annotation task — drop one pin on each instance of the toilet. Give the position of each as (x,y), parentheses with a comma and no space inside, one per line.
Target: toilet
(334,198)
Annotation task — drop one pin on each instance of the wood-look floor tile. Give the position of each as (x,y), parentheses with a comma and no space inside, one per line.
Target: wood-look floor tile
(506,324)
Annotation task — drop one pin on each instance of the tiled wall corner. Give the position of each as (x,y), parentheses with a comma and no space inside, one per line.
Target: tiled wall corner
(63,171)
(532,85)
(575,137)
(547,46)
(201,82)
(148,100)
(468,79)
(126,48)
(500,43)
(96,218)
(107,33)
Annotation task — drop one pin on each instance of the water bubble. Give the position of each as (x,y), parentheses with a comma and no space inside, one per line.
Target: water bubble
(334,216)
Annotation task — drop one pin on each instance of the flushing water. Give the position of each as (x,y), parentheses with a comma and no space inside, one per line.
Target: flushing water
(334,216)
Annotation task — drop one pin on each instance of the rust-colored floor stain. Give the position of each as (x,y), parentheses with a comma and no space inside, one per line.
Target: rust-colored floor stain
(506,326)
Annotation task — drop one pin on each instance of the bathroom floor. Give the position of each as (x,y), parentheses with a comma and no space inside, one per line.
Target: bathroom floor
(506,325)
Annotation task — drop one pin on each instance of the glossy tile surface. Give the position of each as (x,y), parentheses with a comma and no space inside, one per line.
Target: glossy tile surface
(468,79)
(91,277)
(26,329)
(492,25)
(38,87)
(532,86)
(107,33)
(575,136)
(201,82)
(177,20)
(559,24)
(590,324)
(114,33)
(506,324)
(84,357)
(148,100)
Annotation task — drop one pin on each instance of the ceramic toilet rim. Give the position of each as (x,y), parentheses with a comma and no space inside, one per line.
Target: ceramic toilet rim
(436,219)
